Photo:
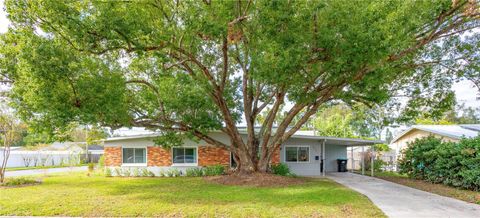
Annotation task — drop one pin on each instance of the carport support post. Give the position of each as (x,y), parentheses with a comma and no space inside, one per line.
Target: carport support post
(363,160)
(351,154)
(323,158)
(373,158)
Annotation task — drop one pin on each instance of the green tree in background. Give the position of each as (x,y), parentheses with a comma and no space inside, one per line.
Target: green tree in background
(189,67)
(459,115)
(335,121)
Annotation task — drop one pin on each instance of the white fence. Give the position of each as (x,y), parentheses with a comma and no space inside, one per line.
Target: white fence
(41,158)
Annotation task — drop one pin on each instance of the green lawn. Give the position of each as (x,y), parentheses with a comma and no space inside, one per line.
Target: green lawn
(79,195)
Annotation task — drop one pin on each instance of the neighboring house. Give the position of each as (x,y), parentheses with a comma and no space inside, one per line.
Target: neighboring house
(66,153)
(449,133)
(302,153)
(94,153)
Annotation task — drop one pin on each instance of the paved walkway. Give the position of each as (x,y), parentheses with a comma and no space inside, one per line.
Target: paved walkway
(44,171)
(400,201)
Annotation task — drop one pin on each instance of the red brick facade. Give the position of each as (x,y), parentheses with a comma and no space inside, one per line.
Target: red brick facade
(113,156)
(158,156)
(211,155)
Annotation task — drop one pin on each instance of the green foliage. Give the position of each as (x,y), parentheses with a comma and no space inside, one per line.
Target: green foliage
(81,194)
(427,121)
(91,167)
(101,161)
(194,172)
(19,181)
(179,66)
(174,172)
(65,76)
(454,164)
(136,172)
(335,121)
(281,169)
(357,121)
(381,147)
(146,173)
(214,170)
(108,172)
(377,165)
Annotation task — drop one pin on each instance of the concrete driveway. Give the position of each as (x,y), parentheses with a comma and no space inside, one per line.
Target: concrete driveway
(400,201)
(44,171)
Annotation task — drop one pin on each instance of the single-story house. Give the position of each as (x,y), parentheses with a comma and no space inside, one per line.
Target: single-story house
(449,133)
(55,154)
(304,154)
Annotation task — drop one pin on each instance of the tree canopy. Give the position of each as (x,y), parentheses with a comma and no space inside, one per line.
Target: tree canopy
(189,67)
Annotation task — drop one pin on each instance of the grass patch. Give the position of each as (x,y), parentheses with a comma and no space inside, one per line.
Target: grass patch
(79,195)
(439,189)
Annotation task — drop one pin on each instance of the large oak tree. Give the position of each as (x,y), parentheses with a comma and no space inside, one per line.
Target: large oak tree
(190,67)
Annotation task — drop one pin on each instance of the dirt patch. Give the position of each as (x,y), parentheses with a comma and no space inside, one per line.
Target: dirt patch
(255,179)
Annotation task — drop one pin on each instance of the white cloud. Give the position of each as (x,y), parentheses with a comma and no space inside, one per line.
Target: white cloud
(3,18)
(466,92)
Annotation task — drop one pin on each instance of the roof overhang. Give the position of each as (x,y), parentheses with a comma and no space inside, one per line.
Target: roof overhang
(328,140)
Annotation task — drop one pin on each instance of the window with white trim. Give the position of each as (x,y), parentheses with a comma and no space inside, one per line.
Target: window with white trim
(184,155)
(297,153)
(134,155)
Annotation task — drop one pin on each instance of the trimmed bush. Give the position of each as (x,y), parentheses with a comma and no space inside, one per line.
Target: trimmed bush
(108,172)
(214,170)
(101,161)
(91,167)
(194,172)
(453,164)
(281,169)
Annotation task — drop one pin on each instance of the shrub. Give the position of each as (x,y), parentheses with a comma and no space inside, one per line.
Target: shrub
(150,173)
(453,164)
(125,172)
(18,181)
(118,171)
(214,170)
(378,164)
(101,161)
(108,172)
(144,172)
(281,169)
(136,172)
(172,173)
(161,173)
(194,172)
(91,167)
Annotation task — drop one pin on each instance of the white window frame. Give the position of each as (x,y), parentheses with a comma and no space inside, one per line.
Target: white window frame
(185,164)
(297,146)
(136,164)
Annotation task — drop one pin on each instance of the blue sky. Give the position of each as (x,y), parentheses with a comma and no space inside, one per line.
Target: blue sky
(465,91)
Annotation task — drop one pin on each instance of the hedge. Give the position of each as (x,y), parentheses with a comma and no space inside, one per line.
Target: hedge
(453,164)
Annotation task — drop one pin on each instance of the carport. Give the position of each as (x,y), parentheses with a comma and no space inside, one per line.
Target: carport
(351,143)
(322,151)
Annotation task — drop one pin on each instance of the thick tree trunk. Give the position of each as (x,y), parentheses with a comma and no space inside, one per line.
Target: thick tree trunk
(246,165)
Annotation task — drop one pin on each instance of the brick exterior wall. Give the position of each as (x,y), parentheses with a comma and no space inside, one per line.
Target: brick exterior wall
(211,155)
(158,156)
(113,156)
(276,156)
